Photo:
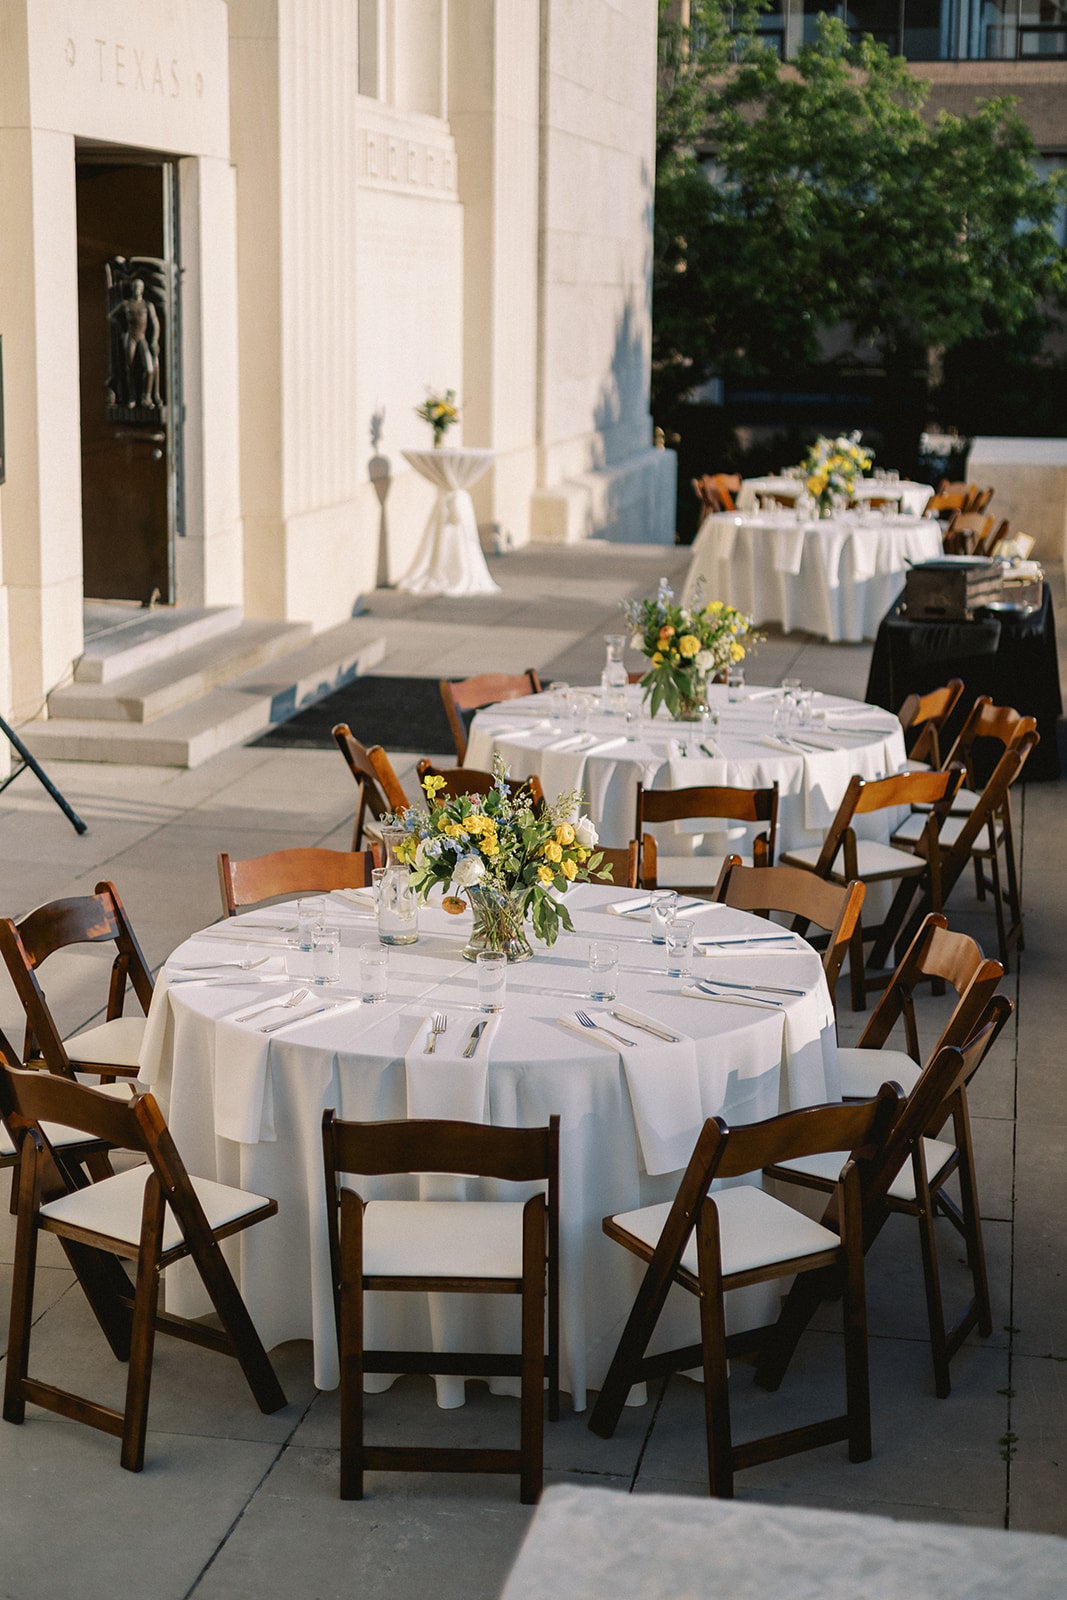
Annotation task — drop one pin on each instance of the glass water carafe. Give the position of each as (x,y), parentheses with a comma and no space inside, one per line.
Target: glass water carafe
(613,678)
(398,904)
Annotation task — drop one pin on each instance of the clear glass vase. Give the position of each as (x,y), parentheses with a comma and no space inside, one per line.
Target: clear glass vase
(499,924)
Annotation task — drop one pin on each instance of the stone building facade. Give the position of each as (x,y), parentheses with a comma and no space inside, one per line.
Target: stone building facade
(240,242)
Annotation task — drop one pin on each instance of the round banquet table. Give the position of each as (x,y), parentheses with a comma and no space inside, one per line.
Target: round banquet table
(912,498)
(836,576)
(449,560)
(246,1108)
(612,754)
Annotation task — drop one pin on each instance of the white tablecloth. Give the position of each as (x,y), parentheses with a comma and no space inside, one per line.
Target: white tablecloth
(836,576)
(614,755)
(246,1108)
(911,497)
(449,560)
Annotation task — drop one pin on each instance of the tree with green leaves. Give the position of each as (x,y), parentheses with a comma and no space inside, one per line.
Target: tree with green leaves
(795,199)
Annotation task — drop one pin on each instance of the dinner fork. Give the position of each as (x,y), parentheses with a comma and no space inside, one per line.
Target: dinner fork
(275,1005)
(587,1022)
(438,1024)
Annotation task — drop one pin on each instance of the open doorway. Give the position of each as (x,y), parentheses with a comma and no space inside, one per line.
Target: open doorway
(130,383)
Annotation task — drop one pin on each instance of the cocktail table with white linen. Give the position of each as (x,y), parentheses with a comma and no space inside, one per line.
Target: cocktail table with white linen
(740,1059)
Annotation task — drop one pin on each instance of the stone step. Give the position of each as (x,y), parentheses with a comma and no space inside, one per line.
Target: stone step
(167,684)
(151,636)
(224,716)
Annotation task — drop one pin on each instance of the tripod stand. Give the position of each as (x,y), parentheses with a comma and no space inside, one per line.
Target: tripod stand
(26,760)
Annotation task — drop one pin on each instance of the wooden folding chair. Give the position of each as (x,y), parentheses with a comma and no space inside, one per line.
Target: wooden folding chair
(474,780)
(379,790)
(923,716)
(700,873)
(152,1215)
(978,501)
(289,872)
(711,1243)
(706,492)
(980,837)
(111,1048)
(624,863)
(833,907)
(462,699)
(452,1246)
(992,542)
(966,531)
(935,954)
(911,1176)
(844,857)
(952,497)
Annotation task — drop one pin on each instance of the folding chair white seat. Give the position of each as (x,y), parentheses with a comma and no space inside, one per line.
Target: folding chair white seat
(756,1230)
(873,860)
(116,1043)
(864,1071)
(442,1238)
(912,827)
(938,1153)
(113,1207)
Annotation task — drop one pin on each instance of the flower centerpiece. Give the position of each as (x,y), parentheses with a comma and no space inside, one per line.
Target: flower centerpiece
(509,856)
(832,467)
(685,646)
(440,411)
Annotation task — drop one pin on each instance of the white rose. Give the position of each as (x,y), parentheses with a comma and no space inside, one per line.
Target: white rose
(468,871)
(585,834)
(636,641)
(703,660)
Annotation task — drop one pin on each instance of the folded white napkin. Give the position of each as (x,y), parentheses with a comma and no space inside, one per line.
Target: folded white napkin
(789,548)
(767,943)
(774,743)
(570,741)
(639,910)
(361,899)
(761,694)
(663,1082)
(213,971)
(693,993)
(605,745)
(244,1096)
(865,548)
(447,1083)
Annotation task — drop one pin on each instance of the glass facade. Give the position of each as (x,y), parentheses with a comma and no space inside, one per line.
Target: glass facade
(933,30)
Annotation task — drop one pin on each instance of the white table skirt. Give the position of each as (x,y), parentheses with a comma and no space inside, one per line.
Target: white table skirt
(836,577)
(749,1064)
(614,755)
(912,498)
(449,560)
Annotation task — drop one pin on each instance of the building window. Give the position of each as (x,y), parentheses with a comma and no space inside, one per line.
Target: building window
(930,30)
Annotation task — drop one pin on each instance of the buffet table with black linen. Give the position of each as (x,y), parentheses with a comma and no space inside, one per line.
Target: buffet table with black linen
(1010,656)
(246,1106)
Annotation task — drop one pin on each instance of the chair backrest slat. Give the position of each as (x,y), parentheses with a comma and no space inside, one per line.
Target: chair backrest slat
(859,1127)
(833,907)
(376,1149)
(289,872)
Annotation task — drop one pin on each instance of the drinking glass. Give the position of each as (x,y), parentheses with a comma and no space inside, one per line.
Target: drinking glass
(735,684)
(310,912)
(491,971)
(709,723)
(679,948)
(662,909)
(373,972)
(603,969)
(805,708)
(559,693)
(398,908)
(326,955)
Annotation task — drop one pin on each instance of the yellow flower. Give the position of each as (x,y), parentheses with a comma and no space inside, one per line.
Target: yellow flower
(552,851)
(565,833)
(713,608)
(689,644)
(657,658)
(583,855)
(570,870)
(545,874)
(490,845)
(737,651)
(431,784)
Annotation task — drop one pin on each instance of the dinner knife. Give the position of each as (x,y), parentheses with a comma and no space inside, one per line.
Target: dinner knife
(646,1027)
(290,1022)
(472,1043)
(759,988)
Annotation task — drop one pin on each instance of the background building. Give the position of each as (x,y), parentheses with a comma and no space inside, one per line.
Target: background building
(239,243)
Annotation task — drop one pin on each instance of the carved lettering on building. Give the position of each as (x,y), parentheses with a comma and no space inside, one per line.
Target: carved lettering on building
(135,68)
(392,161)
